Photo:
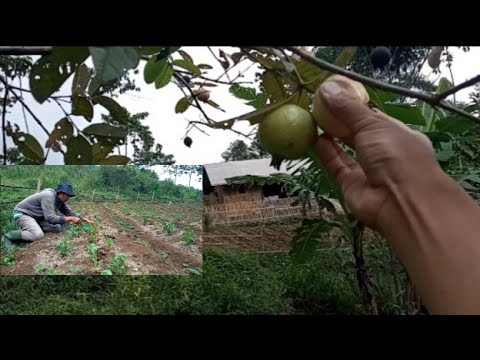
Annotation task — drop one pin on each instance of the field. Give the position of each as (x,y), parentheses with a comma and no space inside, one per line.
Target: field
(127,238)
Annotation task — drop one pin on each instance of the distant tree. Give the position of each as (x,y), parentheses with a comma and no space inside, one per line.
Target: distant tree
(239,150)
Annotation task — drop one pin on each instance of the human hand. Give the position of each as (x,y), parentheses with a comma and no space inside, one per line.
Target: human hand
(391,156)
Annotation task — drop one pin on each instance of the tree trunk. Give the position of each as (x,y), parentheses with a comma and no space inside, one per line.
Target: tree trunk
(365,284)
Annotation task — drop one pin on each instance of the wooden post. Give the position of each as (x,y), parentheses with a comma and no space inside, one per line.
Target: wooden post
(153,194)
(39,184)
(116,200)
(93,195)
(138,193)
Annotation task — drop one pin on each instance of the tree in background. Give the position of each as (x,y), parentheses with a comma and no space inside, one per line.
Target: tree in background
(239,150)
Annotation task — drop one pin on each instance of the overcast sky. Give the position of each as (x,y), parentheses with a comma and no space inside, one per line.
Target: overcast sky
(169,128)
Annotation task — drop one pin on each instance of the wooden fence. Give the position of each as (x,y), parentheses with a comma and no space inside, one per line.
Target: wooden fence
(267,209)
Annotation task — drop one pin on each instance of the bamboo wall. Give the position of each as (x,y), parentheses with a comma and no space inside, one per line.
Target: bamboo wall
(248,207)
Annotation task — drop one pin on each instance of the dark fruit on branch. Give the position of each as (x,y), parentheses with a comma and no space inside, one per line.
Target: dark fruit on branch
(380,57)
(188,141)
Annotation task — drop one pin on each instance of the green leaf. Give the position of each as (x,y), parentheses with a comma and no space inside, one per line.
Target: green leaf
(106,272)
(112,62)
(150,50)
(93,87)
(446,152)
(307,239)
(242,92)
(30,147)
(185,56)
(63,131)
(182,105)
(82,106)
(115,160)
(267,62)
(437,136)
(204,66)
(105,130)
(273,86)
(51,71)
(455,124)
(443,85)
(100,152)
(405,113)
(80,80)
(87,227)
(304,100)
(117,112)
(79,151)
(167,51)
(259,102)
(236,57)
(164,76)
(153,69)
(188,65)
(380,97)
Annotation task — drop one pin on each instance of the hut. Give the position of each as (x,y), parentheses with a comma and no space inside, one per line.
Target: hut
(225,203)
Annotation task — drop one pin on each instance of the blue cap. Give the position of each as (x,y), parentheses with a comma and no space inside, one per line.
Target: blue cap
(66,188)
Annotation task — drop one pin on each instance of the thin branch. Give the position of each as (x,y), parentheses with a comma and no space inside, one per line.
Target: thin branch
(433,100)
(220,62)
(453,83)
(26,106)
(215,123)
(459,87)
(25,50)
(23,109)
(213,80)
(4,128)
(67,115)
(416,76)
(297,74)
(179,78)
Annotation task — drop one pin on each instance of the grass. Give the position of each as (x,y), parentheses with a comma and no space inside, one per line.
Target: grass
(229,283)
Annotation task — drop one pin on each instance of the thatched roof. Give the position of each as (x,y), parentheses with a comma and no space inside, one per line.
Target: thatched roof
(219,172)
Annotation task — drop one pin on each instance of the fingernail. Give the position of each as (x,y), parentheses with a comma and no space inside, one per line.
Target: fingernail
(331,89)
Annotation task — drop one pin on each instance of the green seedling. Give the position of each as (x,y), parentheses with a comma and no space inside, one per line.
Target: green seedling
(118,265)
(189,236)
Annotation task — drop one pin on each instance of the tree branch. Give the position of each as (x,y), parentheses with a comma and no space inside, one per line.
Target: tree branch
(25,50)
(221,64)
(433,100)
(459,87)
(4,128)
(214,80)
(179,78)
(4,81)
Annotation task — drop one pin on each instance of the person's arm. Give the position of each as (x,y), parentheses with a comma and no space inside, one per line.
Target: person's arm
(435,229)
(398,188)
(48,208)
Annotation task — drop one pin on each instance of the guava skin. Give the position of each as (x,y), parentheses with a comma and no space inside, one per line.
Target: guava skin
(288,132)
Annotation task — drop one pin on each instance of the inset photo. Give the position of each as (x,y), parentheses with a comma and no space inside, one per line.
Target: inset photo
(101,220)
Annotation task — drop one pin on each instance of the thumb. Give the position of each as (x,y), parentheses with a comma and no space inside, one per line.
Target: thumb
(346,107)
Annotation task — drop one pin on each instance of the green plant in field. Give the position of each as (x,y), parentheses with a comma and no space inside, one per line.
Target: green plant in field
(146,219)
(93,253)
(169,227)
(179,217)
(106,272)
(109,242)
(45,269)
(118,265)
(189,236)
(7,260)
(64,247)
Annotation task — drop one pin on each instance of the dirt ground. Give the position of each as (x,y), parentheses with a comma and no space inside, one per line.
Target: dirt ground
(264,238)
(148,249)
